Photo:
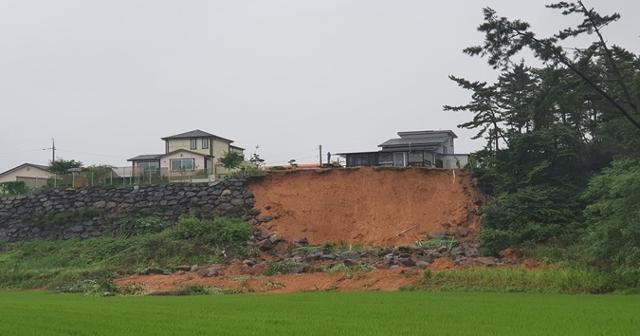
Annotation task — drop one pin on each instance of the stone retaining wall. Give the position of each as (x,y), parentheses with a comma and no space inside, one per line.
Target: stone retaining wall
(63,214)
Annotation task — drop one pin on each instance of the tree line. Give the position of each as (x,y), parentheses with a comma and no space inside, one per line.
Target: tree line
(561,161)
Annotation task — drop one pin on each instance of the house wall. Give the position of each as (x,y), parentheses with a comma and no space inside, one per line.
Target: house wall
(448,146)
(26,172)
(454,161)
(165,162)
(175,144)
(220,149)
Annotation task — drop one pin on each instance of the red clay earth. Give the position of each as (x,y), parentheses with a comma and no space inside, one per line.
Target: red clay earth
(367,206)
(382,280)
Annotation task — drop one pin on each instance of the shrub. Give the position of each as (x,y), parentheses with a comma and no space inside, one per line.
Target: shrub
(248,171)
(13,188)
(529,216)
(613,218)
(232,160)
(220,232)
(142,226)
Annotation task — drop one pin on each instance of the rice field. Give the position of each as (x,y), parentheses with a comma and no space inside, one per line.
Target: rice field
(320,313)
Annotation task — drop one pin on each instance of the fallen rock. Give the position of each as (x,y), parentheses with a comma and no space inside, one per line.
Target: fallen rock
(264,218)
(211,271)
(408,262)
(422,264)
(486,261)
(264,245)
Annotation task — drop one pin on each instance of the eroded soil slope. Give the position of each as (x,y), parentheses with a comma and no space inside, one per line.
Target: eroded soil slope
(367,206)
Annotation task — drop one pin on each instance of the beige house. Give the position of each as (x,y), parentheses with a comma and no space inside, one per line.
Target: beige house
(34,175)
(190,155)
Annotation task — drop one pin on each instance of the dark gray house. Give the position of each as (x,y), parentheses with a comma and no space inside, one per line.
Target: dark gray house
(412,149)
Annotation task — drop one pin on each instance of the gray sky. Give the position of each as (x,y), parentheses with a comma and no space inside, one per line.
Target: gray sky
(107,79)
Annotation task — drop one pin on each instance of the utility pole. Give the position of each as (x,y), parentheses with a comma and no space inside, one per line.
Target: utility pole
(320,154)
(53,150)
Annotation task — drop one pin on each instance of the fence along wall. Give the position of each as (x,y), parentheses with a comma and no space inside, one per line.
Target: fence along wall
(68,213)
(123,176)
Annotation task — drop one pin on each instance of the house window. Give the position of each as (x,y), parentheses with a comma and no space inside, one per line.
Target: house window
(385,159)
(182,164)
(416,159)
(149,165)
(205,143)
(194,144)
(399,159)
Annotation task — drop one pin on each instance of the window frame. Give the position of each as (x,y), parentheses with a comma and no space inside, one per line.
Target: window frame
(193,164)
(145,165)
(205,143)
(193,143)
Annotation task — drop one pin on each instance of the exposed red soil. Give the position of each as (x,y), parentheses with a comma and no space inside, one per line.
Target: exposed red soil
(442,264)
(379,280)
(367,206)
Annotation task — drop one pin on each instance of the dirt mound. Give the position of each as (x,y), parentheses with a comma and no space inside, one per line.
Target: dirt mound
(384,280)
(367,206)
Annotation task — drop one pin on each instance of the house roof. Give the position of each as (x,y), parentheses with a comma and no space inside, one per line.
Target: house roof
(236,147)
(427,133)
(428,140)
(145,157)
(37,166)
(196,134)
(345,153)
(184,150)
(154,157)
(419,139)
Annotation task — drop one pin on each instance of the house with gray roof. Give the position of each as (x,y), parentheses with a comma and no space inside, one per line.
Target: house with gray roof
(428,148)
(188,154)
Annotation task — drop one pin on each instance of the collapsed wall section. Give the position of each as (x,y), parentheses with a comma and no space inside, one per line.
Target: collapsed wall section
(371,206)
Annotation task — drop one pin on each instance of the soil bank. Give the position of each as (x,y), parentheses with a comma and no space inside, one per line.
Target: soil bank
(367,206)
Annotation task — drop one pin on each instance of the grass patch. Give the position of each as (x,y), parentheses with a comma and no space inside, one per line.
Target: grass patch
(517,279)
(193,289)
(350,270)
(435,243)
(66,263)
(326,313)
(283,267)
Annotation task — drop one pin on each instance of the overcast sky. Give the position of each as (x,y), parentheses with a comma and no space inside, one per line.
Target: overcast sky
(108,79)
